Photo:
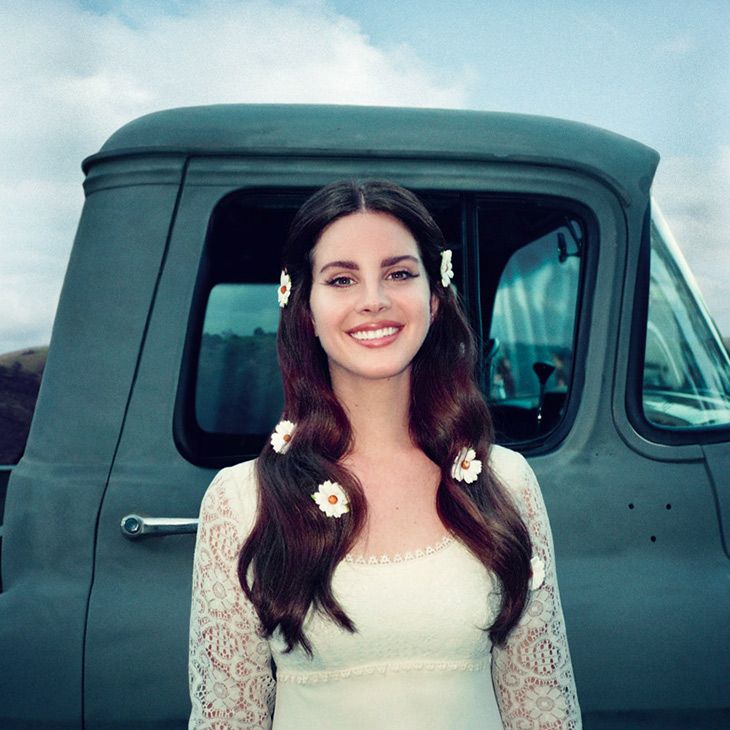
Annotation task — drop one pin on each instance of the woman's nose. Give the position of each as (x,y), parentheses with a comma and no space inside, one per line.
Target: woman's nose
(373,297)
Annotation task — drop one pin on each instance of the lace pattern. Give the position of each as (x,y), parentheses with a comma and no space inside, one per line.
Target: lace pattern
(445,541)
(231,683)
(532,674)
(388,668)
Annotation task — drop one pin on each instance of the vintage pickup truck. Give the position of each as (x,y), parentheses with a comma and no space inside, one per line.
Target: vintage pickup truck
(599,359)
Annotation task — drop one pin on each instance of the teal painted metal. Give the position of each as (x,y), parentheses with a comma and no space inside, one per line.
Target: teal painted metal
(393,133)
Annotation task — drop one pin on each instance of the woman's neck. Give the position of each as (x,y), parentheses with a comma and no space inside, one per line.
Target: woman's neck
(378,411)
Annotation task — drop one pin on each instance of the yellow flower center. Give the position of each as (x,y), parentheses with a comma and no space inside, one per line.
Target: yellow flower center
(465,464)
(282,289)
(332,499)
(287,437)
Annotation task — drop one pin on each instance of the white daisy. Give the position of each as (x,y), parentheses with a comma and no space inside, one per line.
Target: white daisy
(447,270)
(538,573)
(331,499)
(466,466)
(281,438)
(284,289)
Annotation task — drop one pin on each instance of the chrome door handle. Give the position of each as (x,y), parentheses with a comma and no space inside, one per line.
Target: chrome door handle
(135,526)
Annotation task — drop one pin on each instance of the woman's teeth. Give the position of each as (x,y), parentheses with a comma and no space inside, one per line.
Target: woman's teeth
(374,334)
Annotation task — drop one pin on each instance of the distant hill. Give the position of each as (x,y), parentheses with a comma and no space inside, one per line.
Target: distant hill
(20,378)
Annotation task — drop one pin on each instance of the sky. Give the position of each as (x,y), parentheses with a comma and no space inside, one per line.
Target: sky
(73,71)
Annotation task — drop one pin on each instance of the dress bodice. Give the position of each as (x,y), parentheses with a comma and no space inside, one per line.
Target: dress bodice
(420,657)
(425,612)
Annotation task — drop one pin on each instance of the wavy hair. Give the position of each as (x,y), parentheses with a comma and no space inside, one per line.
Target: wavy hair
(286,565)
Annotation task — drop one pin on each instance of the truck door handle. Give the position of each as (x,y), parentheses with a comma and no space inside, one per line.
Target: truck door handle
(135,526)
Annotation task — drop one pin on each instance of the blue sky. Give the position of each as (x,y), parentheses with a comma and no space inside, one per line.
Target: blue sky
(72,71)
(656,71)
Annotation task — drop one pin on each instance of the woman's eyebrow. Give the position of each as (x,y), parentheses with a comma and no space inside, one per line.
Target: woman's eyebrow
(397,259)
(352,265)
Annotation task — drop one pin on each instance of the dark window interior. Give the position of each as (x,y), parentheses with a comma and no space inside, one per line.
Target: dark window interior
(517,267)
(529,274)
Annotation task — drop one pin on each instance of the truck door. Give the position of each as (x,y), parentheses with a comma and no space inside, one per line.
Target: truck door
(664,634)
(56,491)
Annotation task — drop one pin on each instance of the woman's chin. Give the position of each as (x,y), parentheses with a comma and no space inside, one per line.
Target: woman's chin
(374,374)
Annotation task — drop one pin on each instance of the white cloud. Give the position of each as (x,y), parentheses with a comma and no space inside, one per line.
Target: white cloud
(693,193)
(71,77)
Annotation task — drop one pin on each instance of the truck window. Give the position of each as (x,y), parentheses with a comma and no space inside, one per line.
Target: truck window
(238,385)
(686,381)
(518,269)
(533,327)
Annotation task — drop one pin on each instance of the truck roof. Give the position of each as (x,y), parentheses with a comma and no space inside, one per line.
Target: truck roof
(405,133)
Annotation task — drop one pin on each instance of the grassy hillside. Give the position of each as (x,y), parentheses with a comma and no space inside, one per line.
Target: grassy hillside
(20,378)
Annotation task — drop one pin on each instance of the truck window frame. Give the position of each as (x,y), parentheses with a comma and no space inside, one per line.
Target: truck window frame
(634,401)
(216,450)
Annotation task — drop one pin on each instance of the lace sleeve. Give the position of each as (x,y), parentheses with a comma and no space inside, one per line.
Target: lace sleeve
(532,673)
(231,683)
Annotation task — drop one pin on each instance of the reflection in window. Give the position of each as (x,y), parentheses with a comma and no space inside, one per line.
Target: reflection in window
(239,389)
(686,367)
(530,360)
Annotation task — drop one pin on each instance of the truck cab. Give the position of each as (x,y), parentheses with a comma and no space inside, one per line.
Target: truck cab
(597,355)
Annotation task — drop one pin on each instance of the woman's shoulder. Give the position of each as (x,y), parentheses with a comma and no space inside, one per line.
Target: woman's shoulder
(232,495)
(516,475)
(509,466)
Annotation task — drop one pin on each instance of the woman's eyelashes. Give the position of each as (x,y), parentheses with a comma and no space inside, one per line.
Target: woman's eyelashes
(403,274)
(344,280)
(340,281)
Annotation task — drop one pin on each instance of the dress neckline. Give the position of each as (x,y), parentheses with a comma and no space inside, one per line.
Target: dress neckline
(416,554)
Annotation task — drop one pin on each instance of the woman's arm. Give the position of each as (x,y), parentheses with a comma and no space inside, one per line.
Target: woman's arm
(231,683)
(532,673)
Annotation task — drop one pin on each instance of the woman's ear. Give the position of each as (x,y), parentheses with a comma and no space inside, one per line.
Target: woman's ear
(433,306)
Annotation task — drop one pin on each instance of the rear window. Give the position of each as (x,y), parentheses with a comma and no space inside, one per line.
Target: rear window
(518,267)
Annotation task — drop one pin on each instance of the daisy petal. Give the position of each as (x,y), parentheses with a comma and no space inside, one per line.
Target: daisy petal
(284,289)
(538,573)
(331,499)
(282,436)
(466,467)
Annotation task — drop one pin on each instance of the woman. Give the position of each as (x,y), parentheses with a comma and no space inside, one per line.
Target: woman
(382,564)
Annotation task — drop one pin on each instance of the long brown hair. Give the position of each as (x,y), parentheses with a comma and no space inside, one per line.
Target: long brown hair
(286,564)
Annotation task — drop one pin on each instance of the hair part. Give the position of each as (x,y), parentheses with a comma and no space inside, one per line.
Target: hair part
(287,563)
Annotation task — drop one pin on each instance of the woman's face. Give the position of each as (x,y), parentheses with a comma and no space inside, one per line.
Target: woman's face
(371,301)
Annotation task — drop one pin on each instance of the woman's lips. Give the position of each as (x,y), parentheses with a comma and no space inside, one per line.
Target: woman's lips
(376,335)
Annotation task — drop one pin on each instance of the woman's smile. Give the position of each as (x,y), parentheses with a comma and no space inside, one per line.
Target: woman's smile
(376,334)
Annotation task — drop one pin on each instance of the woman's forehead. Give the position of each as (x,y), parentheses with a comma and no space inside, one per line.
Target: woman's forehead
(364,235)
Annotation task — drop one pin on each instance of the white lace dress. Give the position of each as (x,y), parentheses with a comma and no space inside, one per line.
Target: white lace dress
(419,660)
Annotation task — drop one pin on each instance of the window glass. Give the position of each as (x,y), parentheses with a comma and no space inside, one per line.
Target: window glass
(529,357)
(686,367)
(238,386)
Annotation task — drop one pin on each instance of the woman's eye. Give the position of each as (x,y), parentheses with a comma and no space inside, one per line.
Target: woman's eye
(340,281)
(402,274)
